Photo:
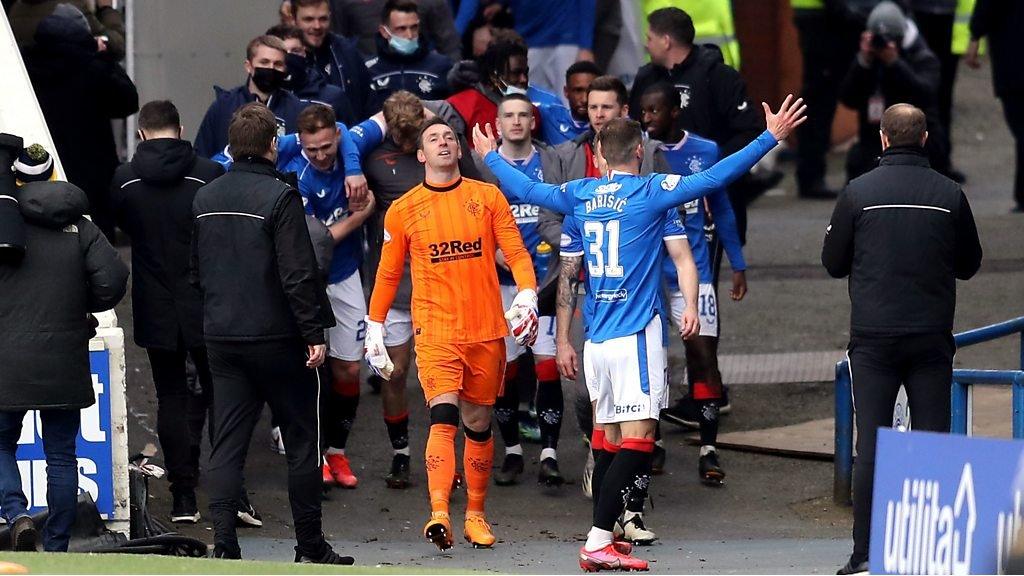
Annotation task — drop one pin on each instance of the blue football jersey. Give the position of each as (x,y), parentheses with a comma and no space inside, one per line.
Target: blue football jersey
(526,215)
(691,155)
(572,244)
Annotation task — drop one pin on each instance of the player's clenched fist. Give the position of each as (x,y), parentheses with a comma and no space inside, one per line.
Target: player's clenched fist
(376,354)
(522,316)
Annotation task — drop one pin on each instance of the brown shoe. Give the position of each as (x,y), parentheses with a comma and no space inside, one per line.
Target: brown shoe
(24,535)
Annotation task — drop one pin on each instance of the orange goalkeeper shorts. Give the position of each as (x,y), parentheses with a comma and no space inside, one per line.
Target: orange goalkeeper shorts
(475,371)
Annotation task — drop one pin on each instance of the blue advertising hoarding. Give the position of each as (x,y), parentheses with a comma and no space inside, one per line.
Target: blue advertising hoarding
(94,447)
(945,504)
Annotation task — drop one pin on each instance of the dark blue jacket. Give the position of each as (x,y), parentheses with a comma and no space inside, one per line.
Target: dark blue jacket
(338,58)
(424,72)
(213,132)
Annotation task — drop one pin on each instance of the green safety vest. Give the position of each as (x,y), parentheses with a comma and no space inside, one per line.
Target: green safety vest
(962,27)
(712,22)
(807,4)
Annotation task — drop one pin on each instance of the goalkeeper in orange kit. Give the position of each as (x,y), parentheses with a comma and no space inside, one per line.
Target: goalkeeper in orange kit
(450,228)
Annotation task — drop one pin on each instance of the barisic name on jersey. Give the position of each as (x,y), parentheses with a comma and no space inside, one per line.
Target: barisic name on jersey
(455,250)
(604,197)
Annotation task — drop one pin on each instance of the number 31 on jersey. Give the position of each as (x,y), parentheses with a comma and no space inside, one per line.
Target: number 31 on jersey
(603,239)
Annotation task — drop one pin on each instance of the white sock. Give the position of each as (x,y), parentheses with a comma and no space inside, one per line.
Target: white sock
(597,539)
(707,449)
(517,449)
(340,451)
(404,451)
(548,453)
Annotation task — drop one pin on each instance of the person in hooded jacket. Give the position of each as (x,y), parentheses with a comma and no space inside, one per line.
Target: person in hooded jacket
(152,201)
(68,271)
(404,61)
(79,93)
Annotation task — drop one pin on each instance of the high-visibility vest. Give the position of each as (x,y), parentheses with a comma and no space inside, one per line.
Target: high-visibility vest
(712,22)
(807,4)
(962,27)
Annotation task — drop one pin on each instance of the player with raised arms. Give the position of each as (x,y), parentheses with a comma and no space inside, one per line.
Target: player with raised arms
(619,219)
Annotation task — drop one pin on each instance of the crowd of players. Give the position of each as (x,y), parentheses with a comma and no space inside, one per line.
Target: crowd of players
(369,145)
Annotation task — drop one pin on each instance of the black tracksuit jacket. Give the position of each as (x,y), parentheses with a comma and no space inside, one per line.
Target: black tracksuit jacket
(904,234)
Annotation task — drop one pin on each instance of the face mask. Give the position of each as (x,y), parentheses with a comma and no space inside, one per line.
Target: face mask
(509,89)
(268,80)
(404,46)
(296,65)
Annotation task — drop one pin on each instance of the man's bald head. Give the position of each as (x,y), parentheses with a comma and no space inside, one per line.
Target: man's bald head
(903,125)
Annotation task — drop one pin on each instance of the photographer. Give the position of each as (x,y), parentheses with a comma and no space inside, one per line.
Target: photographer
(893,65)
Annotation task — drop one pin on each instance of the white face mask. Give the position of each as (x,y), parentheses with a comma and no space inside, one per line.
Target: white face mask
(508,89)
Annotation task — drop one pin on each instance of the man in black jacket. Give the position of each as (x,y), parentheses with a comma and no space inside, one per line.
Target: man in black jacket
(264,316)
(904,234)
(893,65)
(68,271)
(152,199)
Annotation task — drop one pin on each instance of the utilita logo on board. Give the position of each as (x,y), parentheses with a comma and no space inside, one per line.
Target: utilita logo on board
(1008,527)
(924,534)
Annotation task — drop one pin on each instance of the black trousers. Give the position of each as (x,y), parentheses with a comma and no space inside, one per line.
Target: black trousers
(937,31)
(1013,109)
(245,376)
(923,364)
(828,45)
(180,413)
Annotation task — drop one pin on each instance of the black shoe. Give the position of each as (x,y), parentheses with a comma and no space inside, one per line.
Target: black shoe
(658,461)
(226,552)
(818,193)
(24,535)
(327,556)
(684,412)
(247,515)
(374,382)
(724,406)
(398,477)
(711,473)
(184,508)
(853,567)
(549,474)
(511,468)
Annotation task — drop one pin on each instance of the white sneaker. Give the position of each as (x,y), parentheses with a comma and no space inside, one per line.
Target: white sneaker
(630,527)
(588,475)
(276,440)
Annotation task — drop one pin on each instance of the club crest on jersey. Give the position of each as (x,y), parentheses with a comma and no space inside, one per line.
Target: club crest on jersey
(695,164)
(684,95)
(670,182)
(425,85)
(474,207)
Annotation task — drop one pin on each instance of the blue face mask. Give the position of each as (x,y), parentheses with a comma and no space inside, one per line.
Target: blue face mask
(404,46)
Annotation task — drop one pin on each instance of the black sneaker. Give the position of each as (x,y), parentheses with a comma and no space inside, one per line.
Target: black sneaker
(226,552)
(854,567)
(247,515)
(184,509)
(511,468)
(684,412)
(658,461)
(24,535)
(711,473)
(327,556)
(398,477)
(724,406)
(549,474)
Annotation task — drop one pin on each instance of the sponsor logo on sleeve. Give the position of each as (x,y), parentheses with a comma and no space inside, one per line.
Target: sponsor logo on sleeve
(670,182)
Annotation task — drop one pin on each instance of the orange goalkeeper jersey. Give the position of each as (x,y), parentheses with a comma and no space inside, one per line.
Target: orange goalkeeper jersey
(451,233)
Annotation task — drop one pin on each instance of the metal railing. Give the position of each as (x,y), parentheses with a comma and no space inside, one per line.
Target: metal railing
(961,401)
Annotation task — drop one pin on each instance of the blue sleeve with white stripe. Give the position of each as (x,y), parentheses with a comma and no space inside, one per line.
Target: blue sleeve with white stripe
(367,135)
(678,190)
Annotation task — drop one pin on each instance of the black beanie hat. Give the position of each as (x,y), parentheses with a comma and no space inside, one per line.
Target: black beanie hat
(34,164)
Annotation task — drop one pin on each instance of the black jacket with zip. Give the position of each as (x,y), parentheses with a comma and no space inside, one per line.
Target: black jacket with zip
(69,270)
(152,201)
(254,260)
(904,234)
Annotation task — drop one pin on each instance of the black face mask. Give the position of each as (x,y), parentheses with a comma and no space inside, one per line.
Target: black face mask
(296,71)
(268,80)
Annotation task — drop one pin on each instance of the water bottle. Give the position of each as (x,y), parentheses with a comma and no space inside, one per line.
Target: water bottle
(540,261)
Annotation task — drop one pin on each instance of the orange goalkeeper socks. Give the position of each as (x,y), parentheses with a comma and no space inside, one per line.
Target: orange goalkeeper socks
(477,461)
(440,464)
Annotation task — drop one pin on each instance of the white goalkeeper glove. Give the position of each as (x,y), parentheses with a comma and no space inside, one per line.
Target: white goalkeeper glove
(376,354)
(522,316)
